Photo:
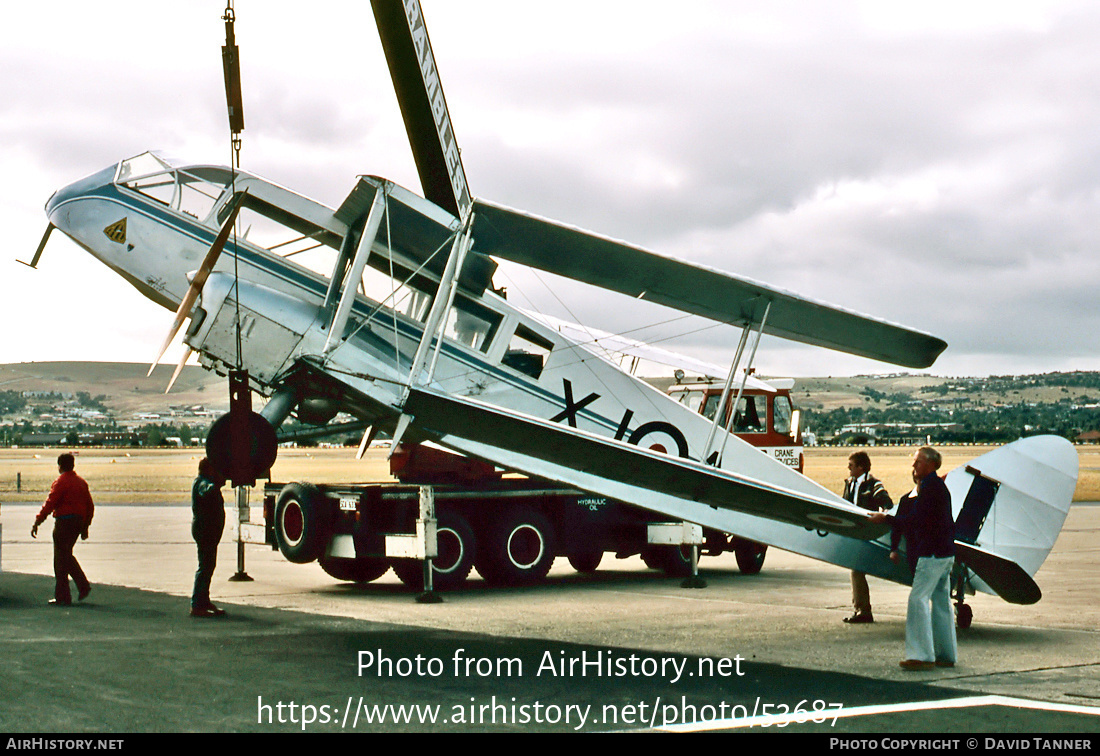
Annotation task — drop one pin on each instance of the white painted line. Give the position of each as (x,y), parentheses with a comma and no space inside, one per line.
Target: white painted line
(828,715)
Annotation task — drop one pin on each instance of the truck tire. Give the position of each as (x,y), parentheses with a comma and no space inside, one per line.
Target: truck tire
(586,562)
(750,556)
(674,561)
(303,522)
(362,570)
(518,549)
(457,547)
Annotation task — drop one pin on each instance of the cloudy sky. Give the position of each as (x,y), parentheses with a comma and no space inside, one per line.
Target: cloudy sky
(930,163)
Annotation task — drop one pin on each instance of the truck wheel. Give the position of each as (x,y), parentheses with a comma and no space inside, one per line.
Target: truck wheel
(457,546)
(518,549)
(586,562)
(750,556)
(362,570)
(674,561)
(303,522)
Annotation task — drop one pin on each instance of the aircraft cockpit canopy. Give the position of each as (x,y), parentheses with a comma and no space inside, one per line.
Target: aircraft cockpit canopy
(192,190)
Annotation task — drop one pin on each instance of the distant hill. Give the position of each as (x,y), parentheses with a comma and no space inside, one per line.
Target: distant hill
(992,409)
(124,385)
(997,406)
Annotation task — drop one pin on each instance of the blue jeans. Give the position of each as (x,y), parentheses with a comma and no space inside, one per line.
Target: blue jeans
(930,620)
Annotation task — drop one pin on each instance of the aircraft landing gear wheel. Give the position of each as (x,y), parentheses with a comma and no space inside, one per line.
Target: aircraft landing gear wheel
(586,562)
(456,545)
(674,561)
(362,570)
(518,549)
(964,616)
(303,522)
(750,556)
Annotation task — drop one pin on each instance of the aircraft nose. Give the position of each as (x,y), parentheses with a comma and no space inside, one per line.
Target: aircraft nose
(84,187)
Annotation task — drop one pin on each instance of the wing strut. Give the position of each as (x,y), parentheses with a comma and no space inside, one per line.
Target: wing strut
(719,412)
(741,388)
(355,274)
(437,319)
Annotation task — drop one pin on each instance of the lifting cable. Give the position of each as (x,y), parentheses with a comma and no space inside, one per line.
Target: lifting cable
(231,68)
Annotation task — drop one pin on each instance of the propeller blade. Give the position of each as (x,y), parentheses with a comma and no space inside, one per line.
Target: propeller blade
(41,246)
(368,436)
(399,432)
(200,277)
(179,368)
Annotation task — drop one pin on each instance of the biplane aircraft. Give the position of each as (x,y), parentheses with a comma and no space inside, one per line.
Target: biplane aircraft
(384,308)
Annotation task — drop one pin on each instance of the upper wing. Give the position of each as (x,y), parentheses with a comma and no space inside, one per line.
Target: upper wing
(594,259)
(618,266)
(673,486)
(611,344)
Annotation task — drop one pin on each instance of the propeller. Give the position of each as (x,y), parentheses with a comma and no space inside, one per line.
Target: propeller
(199,280)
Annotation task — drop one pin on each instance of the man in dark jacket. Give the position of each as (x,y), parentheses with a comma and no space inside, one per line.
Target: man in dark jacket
(863,490)
(71,505)
(207,523)
(929,531)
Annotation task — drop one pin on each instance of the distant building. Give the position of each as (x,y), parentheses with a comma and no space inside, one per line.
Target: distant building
(44,439)
(891,433)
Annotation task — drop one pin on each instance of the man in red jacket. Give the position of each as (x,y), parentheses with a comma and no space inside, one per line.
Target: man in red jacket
(71,505)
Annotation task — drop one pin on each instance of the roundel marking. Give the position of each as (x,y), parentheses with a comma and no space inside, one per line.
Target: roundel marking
(660,426)
(831,520)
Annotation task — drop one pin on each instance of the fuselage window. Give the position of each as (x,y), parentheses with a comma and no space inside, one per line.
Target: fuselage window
(527,352)
(471,324)
(395,295)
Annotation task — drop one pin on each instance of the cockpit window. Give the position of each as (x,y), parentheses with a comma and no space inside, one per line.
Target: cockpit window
(191,190)
(143,165)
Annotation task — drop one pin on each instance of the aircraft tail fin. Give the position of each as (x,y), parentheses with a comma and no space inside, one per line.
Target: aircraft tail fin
(1009,506)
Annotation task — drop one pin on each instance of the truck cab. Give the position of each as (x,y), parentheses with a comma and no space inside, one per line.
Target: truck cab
(764,418)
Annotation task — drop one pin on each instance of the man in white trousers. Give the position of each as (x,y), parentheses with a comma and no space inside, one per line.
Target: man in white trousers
(925,521)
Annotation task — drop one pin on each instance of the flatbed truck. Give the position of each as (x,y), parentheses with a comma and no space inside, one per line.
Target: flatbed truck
(508,528)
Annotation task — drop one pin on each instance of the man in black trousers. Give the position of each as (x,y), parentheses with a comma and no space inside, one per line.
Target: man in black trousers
(207,523)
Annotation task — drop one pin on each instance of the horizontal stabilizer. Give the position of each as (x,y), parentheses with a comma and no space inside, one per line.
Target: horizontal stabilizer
(1006,578)
(676,487)
(615,265)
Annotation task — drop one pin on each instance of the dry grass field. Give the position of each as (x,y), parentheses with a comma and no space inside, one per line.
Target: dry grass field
(893,466)
(124,476)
